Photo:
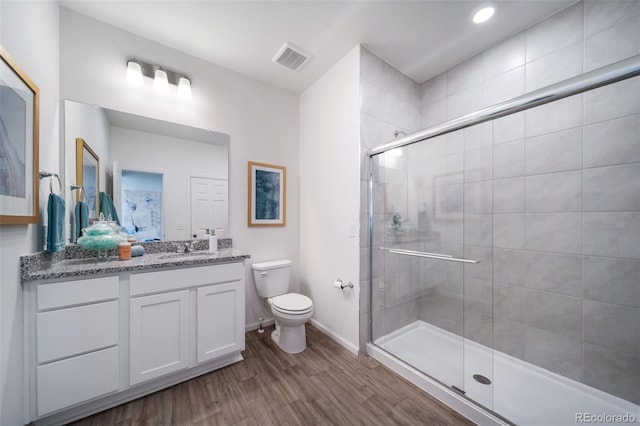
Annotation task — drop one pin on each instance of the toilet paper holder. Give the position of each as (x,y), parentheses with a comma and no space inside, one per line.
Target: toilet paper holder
(339,284)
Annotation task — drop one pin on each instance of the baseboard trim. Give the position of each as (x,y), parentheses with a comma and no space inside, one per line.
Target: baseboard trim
(324,329)
(336,337)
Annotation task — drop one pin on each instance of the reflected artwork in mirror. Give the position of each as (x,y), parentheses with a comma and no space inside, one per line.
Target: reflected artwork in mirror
(142,204)
(88,176)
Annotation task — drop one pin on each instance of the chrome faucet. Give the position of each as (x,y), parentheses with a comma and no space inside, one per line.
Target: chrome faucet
(187,247)
(191,246)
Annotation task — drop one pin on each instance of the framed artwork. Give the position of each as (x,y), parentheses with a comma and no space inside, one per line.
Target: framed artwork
(88,176)
(19,124)
(267,194)
(450,201)
(448,197)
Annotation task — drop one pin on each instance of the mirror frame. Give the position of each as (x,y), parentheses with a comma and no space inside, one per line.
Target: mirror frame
(82,148)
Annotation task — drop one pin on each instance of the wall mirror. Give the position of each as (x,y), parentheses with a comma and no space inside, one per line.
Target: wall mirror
(192,162)
(88,176)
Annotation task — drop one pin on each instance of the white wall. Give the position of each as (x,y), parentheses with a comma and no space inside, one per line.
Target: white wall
(177,160)
(330,197)
(262,121)
(29,32)
(91,124)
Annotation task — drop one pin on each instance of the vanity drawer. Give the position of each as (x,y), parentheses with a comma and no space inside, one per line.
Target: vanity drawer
(177,279)
(66,293)
(77,379)
(67,332)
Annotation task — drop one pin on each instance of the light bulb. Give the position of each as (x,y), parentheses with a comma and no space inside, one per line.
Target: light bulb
(184,88)
(483,15)
(134,73)
(160,81)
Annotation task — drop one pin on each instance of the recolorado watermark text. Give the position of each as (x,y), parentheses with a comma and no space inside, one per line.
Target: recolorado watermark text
(606,418)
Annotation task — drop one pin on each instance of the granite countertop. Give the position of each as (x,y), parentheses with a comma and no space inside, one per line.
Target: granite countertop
(70,268)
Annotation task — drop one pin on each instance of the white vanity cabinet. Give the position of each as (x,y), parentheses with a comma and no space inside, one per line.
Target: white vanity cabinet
(220,320)
(96,343)
(180,318)
(76,330)
(159,335)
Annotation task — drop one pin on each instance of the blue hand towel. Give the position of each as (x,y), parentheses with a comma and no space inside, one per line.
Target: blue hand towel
(81,213)
(107,208)
(55,224)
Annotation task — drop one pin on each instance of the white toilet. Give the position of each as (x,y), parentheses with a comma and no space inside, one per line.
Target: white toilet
(290,310)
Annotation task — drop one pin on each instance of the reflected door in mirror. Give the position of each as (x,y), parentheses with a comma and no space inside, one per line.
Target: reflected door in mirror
(209,205)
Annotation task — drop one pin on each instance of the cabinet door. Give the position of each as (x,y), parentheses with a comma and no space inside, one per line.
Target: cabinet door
(159,335)
(220,320)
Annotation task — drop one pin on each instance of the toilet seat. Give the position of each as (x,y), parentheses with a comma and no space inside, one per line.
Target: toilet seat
(291,304)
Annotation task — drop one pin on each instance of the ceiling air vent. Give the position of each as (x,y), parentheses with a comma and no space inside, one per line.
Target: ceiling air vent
(292,56)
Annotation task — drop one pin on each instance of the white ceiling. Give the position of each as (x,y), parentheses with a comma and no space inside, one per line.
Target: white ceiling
(420,38)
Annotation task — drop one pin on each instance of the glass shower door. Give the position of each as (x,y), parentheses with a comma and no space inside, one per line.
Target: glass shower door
(417,307)
(431,263)
(547,201)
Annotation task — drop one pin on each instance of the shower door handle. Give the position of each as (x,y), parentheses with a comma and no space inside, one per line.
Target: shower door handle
(431,255)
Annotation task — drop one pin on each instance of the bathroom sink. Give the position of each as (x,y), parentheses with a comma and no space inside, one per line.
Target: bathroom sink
(199,253)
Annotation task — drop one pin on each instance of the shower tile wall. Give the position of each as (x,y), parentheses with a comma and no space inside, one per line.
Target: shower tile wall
(389,102)
(561,283)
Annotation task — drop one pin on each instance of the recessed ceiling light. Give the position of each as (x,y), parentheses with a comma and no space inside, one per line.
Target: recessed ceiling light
(483,15)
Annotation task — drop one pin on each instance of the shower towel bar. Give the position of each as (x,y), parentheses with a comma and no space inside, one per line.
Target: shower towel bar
(431,255)
(404,251)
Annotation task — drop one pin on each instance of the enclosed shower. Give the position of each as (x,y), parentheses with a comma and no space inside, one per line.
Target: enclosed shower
(504,253)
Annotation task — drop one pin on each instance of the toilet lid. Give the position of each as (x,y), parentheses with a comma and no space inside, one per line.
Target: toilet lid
(292,302)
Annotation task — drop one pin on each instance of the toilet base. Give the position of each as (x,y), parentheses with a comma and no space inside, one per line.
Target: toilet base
(291,340)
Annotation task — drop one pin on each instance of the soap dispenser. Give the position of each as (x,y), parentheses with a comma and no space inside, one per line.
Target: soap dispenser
(213,241)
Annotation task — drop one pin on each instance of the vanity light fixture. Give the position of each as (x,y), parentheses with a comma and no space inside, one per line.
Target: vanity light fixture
(483,15)
(134,73)
(162,77)
(184,88)
(160,81)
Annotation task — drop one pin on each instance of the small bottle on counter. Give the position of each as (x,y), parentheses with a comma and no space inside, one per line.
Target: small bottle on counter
(213,241)
(124,251)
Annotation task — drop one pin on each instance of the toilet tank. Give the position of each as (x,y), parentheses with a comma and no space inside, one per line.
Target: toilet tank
(272,278)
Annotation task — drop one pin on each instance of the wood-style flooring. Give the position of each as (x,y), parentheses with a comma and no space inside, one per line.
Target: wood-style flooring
(324,385)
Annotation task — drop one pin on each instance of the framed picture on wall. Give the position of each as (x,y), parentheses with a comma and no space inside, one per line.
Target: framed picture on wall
(448,197)
(19,106)
(267,194)
(88,176)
